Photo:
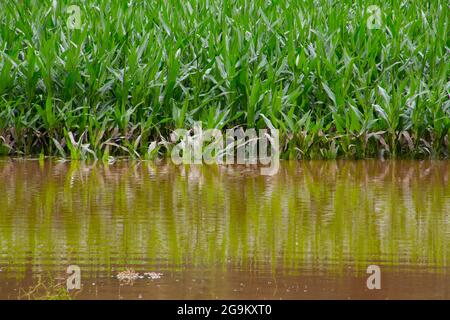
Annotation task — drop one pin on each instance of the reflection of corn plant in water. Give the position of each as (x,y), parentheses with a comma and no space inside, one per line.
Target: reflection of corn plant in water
(311,214)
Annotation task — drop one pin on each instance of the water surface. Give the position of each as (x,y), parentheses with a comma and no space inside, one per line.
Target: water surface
(227,232)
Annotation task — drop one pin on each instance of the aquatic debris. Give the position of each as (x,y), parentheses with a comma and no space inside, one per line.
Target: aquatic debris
(153,275)
(128,276)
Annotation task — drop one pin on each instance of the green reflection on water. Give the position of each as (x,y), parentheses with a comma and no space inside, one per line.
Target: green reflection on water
(313,215)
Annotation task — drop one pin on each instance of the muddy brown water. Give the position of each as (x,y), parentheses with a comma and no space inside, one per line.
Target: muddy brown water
(225,232)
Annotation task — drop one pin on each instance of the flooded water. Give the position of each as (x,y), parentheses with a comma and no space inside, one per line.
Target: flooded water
(208,232)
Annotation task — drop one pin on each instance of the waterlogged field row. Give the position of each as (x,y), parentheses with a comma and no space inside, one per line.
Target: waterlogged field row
(96,79)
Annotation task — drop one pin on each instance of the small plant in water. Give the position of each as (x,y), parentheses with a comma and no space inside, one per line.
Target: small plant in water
(46,290)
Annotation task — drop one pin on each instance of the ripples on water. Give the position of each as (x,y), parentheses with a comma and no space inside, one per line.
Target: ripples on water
(227,232)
